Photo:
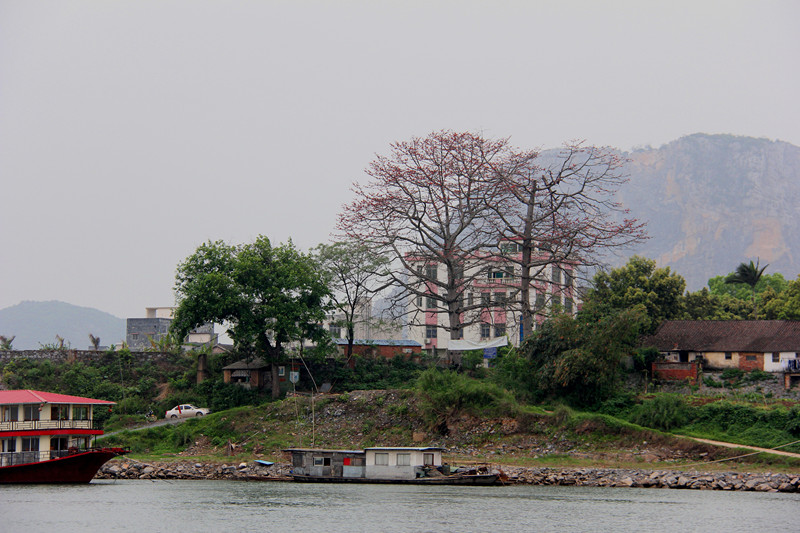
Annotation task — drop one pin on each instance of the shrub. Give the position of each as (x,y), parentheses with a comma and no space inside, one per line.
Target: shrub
(665,412)
(732,374)
(446,393)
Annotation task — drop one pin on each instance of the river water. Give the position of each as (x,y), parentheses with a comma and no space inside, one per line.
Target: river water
(233,506)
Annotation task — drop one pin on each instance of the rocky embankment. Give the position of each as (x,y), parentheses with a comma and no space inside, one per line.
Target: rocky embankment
(190,470)
(580,477)
(667,479)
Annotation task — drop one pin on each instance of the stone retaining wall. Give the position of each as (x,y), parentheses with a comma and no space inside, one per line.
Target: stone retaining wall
(61,356)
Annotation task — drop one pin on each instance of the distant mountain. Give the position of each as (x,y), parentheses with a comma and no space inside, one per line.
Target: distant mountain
(37,323)
(714,201)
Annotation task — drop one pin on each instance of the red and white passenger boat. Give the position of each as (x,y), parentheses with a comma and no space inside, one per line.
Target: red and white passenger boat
(46,438)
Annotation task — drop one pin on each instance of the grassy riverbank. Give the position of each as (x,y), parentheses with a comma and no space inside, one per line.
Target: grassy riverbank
(522,436)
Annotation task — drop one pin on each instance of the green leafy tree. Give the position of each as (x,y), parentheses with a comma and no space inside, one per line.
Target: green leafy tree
(748,274)
(784,305)
(267,296)
(575,359)
(5,342)
(354,273)
(639,283)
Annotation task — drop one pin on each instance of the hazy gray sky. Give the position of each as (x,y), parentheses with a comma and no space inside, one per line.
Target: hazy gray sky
(132,131)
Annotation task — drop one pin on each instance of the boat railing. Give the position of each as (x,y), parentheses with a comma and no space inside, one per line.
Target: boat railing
(21,458)
(24,425)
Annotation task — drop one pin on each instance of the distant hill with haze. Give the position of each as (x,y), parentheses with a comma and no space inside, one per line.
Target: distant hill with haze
(714,201)
(37,323)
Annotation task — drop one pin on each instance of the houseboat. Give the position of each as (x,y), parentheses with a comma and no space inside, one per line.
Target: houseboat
(417,465)
(46,438)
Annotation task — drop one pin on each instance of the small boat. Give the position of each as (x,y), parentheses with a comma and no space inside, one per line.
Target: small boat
(402,465)
(45,438)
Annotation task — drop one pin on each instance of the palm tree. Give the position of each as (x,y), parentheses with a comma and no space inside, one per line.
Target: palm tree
(749,275)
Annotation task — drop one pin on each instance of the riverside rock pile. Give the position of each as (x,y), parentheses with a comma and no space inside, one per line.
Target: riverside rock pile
(602,477)
(581,477)
(187,470)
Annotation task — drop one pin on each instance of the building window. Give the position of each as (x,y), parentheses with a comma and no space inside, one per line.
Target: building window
(500,299)
(427,459)
(281,371)
(430,303)
(430,331)
(510,248)
(31,411)
(430,271)
(336,331)
(749,357)
(419,301)
(322,461)
(567,278)
(499,330)
(470,299)
(403,459)
(776,358)
(382,459)
(80,412)
(556,277)
(539,302)
(568,305)
(486,299)
(485,330)
(728,356)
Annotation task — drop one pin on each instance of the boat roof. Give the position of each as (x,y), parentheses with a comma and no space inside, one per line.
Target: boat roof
(404,448)
(321,450)
(35,396)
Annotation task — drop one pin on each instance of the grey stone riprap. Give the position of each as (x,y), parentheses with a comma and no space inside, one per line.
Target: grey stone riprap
(580,477)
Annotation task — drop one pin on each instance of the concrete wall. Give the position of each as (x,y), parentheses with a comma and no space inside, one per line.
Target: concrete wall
(60,356)
(676,371)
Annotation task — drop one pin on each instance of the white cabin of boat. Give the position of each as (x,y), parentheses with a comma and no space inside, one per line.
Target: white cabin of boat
(377,463)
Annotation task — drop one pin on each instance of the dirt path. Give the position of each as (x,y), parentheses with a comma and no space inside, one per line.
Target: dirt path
(754,448)
(148,425)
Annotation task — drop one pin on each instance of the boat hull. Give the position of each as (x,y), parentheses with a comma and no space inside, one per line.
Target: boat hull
(468,479)
(76,468)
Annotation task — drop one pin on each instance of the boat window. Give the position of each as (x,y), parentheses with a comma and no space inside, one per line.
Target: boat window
(382,459)
(10,413)
(30,444)
(9,445)
(58,443)
(59,412)
(403,459)
(80,412)
(322,461)
(427,459)
(31,412)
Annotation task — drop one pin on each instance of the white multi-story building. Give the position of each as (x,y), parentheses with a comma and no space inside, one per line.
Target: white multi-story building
(489,300)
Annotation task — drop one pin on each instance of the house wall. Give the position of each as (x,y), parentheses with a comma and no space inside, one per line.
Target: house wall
(717,360)
(751,361)
(772,366)
(386,352)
